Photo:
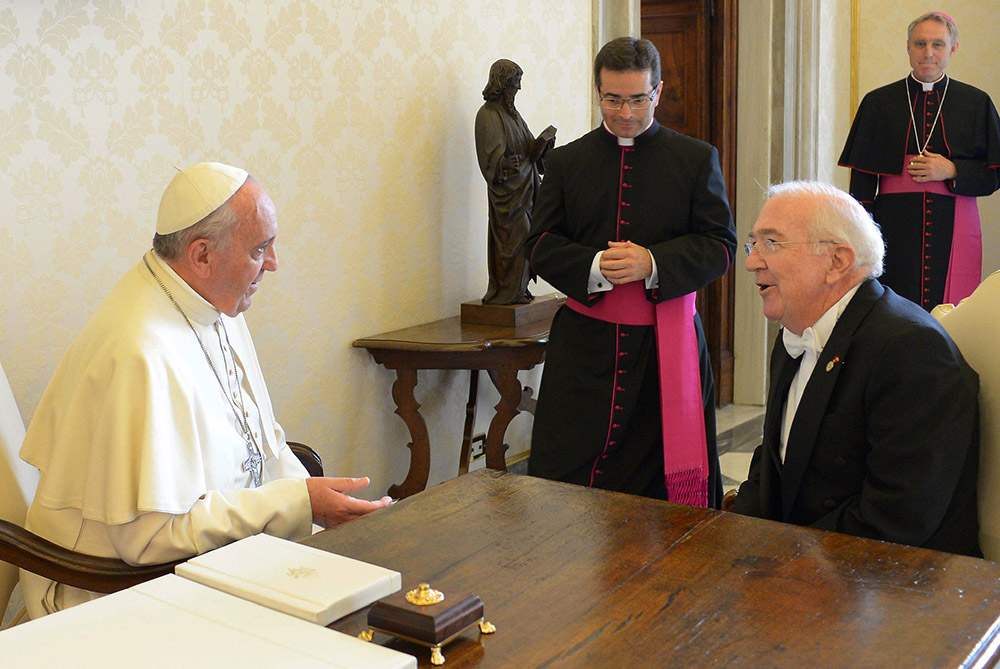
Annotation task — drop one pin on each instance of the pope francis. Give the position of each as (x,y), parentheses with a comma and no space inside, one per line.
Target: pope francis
(155,439)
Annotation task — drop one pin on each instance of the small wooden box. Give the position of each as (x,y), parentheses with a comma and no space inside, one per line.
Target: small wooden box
(432,625)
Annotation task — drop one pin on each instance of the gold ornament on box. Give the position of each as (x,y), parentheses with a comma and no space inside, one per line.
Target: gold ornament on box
(424,595)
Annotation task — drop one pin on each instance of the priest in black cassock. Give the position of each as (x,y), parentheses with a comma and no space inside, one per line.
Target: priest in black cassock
(921,151)
(631,220)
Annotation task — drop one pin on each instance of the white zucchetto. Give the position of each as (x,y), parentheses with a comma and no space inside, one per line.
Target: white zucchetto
(194,193)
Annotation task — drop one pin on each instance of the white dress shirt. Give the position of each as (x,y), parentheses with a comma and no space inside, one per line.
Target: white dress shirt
(808,345)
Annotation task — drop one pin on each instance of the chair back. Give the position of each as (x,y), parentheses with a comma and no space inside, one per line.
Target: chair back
(975,325)
(18,480)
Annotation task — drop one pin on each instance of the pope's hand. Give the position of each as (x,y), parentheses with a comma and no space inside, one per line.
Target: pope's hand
(332,506)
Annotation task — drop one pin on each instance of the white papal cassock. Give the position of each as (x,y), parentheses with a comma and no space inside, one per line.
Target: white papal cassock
(139,452)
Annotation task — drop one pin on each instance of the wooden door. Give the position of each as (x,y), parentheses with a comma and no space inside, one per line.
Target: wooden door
(697,44)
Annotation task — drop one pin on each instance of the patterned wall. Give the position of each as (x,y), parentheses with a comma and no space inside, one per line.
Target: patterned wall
(355,115)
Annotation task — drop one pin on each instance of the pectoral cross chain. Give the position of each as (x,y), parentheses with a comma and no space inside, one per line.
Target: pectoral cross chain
(253,463)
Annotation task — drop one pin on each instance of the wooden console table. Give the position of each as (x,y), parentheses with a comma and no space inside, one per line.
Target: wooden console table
(451,344)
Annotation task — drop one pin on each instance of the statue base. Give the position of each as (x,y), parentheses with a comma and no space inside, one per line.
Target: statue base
(543,307)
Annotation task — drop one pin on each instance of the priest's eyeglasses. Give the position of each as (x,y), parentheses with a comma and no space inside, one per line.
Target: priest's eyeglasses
(770,245)
(637,103)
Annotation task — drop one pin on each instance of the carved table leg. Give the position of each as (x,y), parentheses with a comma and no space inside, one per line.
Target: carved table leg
(408,409)
(470,423)
(527,403)
(510,397)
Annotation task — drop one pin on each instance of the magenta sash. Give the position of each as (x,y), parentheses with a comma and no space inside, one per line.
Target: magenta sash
(965,265)
(685,454)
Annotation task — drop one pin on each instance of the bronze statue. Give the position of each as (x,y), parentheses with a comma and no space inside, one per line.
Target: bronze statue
(510,158)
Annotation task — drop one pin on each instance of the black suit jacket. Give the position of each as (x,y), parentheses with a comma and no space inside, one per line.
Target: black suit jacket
(885,441)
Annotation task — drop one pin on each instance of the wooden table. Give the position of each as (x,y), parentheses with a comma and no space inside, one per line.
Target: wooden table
(452,344)
(574,577)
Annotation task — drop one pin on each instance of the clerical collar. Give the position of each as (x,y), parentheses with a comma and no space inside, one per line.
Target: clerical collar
(628,141)
(199,309)
(928,85)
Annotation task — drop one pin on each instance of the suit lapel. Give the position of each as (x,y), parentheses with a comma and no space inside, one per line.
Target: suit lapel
(782,371)
(783,368)
(818,391)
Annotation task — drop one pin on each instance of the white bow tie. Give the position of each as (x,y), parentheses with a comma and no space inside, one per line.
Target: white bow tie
(796,345)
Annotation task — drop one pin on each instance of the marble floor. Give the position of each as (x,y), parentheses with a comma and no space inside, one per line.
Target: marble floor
(739,430)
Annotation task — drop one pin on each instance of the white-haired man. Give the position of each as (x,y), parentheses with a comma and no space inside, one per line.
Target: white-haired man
(156,439)
(871,426)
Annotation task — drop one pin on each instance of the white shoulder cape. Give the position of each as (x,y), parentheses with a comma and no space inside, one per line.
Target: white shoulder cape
(133,419)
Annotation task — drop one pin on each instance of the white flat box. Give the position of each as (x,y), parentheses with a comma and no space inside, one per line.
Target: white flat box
(171,622)
(299,580)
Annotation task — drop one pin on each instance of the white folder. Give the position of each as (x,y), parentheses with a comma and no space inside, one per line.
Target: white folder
(299,580)
(172,622)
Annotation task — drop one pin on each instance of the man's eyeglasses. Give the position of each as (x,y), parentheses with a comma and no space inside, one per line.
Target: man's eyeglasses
(637,103)
(769,246)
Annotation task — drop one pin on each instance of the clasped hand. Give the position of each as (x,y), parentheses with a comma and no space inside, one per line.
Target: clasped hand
(625,262)
(931,167)
(332,506)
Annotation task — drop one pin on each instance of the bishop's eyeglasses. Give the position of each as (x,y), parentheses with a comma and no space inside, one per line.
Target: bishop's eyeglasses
(637,103)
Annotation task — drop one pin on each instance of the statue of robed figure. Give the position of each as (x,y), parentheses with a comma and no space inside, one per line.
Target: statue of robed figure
(511,160)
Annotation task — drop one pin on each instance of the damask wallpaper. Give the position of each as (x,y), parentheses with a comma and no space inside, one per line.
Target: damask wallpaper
(355,115)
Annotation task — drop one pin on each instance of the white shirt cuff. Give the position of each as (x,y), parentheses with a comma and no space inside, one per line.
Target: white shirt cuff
(597,282)
(653,280)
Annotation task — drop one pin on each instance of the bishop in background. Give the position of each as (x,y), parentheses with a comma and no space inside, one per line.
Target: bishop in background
(156,439)
(921,151)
